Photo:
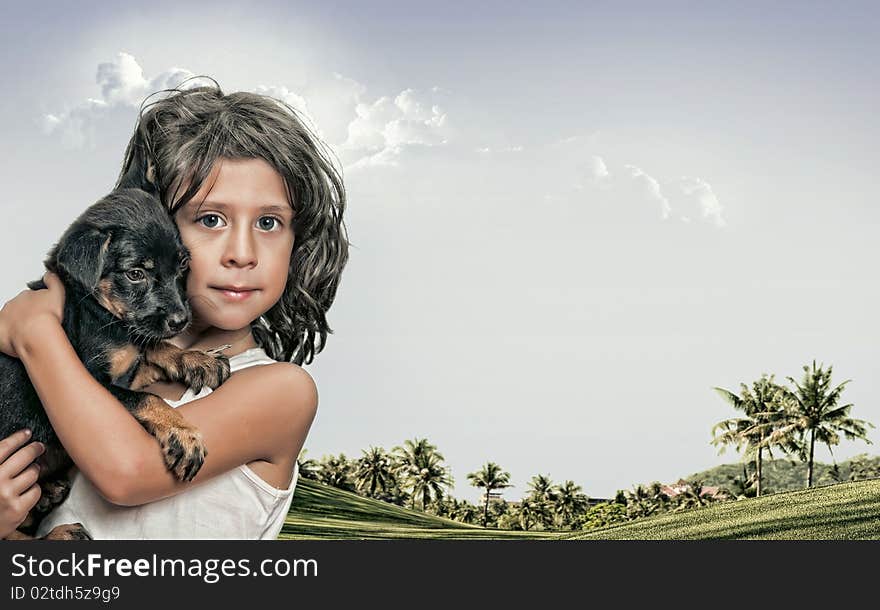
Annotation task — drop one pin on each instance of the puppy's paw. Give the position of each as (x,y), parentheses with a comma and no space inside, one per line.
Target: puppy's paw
(68,531)
(53,494)
(184,451)
(203,369)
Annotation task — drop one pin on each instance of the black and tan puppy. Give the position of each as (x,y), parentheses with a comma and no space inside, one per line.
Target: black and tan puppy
(123,267)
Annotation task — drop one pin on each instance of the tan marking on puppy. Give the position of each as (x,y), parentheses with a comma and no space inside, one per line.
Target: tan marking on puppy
(108,301)
(149,264)
(122,359)
(194,368)
(68,531)
(182,446)
(166,356)
(146,374)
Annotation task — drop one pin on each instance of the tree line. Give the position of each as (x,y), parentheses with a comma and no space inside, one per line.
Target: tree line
(773,417)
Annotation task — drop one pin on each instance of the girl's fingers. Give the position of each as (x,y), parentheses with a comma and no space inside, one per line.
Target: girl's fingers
(26,479)
(11,443)
(21,459)
(31,496)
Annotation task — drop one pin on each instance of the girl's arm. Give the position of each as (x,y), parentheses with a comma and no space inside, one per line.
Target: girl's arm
(262,412)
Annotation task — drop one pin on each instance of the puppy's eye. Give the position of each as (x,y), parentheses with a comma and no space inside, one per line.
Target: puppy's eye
(135,275)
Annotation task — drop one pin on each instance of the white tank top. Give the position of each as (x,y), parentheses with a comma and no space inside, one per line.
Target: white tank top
(236,505)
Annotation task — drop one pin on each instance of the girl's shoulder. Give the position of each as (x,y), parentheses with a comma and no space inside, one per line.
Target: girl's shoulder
(258,361)
(282,376)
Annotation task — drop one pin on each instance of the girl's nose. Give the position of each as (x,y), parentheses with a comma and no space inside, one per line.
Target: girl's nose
(240,249)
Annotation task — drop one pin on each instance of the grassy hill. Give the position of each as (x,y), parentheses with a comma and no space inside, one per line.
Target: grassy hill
(846,511)
(833,512)
(323,512)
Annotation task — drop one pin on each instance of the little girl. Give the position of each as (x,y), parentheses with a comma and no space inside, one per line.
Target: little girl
(259,205)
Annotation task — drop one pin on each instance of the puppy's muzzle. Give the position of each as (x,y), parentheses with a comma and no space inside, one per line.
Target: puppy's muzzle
(177,322)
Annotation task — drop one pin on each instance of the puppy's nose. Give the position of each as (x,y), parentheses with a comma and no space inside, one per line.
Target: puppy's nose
(177,322)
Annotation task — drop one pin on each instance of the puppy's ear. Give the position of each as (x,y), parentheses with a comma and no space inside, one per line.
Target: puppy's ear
(140,172)
(80,256)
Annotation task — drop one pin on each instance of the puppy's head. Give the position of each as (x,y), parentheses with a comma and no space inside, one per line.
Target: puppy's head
(126,252)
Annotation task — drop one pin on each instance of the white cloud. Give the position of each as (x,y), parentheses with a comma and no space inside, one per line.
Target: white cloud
(75,127)
(505,149)
(701,191)
(332,101)
(387,157)
(122,81)
(693,199)
(598,169)
(383,129)
(369,134)
(651,188)
(122,84)
(297,101)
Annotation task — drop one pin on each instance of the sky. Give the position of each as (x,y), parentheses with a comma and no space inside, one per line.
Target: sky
(569,221)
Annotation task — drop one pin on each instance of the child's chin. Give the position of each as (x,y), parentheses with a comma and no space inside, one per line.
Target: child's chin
(229,319)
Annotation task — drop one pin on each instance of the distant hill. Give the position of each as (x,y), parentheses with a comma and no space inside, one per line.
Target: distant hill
(778,475)
(846,511)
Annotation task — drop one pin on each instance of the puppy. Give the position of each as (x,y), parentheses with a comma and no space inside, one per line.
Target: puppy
(123,267)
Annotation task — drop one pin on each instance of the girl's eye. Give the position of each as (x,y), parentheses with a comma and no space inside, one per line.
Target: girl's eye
(135,275)
(209,220)
(267,223)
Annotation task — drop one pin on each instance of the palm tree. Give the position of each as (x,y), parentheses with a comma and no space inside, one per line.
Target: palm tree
(505,515)
(421,467)
(744,486)
(644,501)
(692,497)
(308,468)
(532,511)
(762,410)
(406,457)
(812,408)
(431,480)
(374,473)
(490,478)
(465,512)
(569,502)
(336,471)
(459,510)
(542,490)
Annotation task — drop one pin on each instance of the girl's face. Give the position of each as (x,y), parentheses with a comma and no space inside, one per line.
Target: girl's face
(239,231)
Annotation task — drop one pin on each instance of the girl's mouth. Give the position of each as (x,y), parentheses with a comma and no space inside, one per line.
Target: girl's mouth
(232,294)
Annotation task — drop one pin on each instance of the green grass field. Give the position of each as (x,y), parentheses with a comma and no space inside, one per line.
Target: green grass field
(848,511)
(323,512)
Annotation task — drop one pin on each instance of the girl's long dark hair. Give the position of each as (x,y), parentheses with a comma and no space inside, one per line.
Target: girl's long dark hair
(176,142)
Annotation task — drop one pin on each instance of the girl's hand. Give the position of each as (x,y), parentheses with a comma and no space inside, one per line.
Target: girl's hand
(18,315)
(19,491)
